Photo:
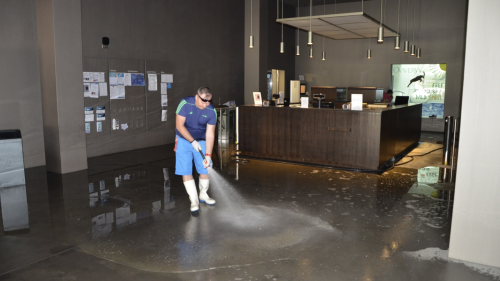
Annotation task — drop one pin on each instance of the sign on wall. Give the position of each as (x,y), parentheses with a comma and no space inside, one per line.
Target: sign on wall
(423,83)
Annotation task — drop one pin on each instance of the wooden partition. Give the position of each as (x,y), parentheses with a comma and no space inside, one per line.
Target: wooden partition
(369,93)
(356,139)
(329,92)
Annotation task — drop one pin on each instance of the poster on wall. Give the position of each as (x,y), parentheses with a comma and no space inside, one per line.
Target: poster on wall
(423,83)
(138,79)
(152,82)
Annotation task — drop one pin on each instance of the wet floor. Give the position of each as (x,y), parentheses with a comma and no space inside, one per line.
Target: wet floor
(127,218)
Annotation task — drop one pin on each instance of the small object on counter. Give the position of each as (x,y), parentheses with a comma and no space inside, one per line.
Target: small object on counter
(304,102)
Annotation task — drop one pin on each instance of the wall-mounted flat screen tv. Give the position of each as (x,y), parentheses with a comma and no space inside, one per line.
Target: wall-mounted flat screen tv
(422,83)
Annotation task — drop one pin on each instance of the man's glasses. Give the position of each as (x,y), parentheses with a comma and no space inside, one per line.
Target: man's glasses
(204,100)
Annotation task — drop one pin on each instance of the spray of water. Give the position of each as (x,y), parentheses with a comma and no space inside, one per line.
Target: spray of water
(227,195)
(237,230)
(234,209)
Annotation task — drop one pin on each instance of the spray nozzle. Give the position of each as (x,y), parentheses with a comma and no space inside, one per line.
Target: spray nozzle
(202,155)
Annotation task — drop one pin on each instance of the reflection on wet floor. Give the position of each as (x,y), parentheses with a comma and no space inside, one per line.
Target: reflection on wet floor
(133,194)
(272,221)
(435,182)
(14,209)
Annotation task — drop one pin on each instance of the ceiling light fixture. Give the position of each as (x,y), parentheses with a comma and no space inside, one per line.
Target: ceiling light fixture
(419,51)
(251,21)
(369,52)
(407,43)
(413,32)
(323,54)
(310,33)
(282,44)
(381,28)
(311,52)
(297,51)
(397,43)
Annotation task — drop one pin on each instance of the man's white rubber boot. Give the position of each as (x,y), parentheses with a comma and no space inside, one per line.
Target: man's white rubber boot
(204,183)
(193,195)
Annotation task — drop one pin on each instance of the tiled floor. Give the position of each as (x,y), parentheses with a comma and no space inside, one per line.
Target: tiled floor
(272,221)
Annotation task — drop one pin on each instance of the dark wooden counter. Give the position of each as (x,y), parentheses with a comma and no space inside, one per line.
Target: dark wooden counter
(364,139)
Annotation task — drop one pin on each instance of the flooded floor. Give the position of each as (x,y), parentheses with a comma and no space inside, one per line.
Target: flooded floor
(127,218)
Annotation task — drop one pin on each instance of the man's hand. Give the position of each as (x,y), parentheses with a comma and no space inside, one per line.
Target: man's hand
(207,162)
(196,145)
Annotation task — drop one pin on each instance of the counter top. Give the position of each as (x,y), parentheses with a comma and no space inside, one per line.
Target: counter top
(394,107)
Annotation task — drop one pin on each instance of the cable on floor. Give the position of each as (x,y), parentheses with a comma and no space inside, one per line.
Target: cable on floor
(387,167)
(411,156)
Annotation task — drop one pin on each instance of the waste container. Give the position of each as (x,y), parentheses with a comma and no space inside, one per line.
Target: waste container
(12,182)
(11,159)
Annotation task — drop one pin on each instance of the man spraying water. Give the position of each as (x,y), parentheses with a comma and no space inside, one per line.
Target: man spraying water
(195,122)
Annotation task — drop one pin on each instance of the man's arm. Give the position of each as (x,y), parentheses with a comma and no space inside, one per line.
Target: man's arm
(209,137)
(179,125)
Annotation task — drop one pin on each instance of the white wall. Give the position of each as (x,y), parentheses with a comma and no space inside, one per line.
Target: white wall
(475,231)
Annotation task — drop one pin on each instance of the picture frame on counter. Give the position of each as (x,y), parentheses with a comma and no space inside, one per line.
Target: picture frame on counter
(257,98)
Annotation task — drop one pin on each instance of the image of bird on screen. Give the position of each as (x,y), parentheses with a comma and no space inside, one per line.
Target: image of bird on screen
(418,78)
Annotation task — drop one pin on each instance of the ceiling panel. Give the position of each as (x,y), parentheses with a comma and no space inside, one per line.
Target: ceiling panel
(305,23)
(301,22)
(306,3)
(390,33)
(324,28)
(367,31)
(334,33)
(346,19)
(351,36)
(341,26)
(355,26)
(319,22)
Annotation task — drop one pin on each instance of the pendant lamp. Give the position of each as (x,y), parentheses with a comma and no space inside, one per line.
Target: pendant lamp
(380,38)
(397,44)
(412,53)
(419,51)
(282,44)
(323,54)
(297,51)
(407,43)
(251,28)
(310,33)
(369,52)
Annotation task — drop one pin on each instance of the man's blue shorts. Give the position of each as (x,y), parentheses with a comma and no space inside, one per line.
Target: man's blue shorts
(184,155)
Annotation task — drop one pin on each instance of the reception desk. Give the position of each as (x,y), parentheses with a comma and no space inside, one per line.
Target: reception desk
(366,139)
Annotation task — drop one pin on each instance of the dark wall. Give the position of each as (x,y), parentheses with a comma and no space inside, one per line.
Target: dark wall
(201,40)
(20,98)
(270,33)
